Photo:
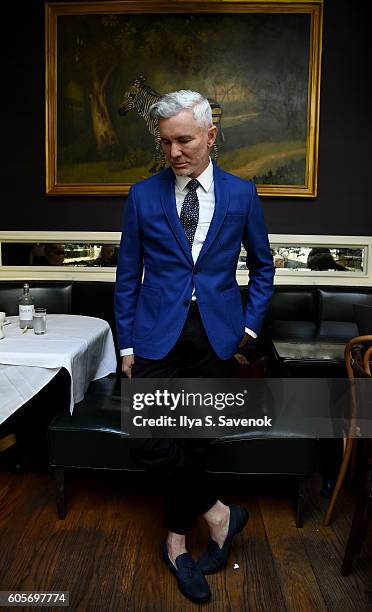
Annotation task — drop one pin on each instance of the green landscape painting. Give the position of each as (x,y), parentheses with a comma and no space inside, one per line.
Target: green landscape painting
(253,67)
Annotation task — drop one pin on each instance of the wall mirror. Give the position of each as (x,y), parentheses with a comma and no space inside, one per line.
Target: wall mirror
(59,254)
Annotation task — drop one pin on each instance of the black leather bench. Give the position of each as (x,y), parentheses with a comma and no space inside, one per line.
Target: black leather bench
(55,297)
(305,315)
(93,438)
(309,326)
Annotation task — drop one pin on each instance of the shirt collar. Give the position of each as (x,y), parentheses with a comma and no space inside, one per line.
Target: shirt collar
(205,178)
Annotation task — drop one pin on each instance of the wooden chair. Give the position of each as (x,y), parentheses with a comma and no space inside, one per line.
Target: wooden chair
(363,508)
(357,366)
(361,518)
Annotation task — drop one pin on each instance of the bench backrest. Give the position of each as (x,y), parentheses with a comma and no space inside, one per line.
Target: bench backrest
(56,298)
(339,305)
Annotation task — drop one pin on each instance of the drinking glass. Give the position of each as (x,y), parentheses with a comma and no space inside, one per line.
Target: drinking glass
(39,320)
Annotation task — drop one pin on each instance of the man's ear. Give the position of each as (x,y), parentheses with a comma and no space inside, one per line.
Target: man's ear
(212,135)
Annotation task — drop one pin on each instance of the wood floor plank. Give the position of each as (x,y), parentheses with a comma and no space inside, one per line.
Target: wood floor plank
(26,498)
(299,584)
(255,585)
(325,548)
(107,550)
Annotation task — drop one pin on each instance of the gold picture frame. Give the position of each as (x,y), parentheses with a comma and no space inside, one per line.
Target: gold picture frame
(267,89)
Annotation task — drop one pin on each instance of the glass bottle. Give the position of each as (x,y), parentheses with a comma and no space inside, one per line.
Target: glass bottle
(26,308)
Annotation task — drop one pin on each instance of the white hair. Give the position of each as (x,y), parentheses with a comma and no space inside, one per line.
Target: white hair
(173,103)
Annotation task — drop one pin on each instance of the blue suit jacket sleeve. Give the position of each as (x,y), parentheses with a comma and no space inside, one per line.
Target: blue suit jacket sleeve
(128,274)
(260,265)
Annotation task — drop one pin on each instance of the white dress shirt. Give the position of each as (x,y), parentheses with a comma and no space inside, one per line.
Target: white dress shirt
(205,193)
(206,199)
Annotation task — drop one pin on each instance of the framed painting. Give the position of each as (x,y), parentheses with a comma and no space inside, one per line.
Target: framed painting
(258,63)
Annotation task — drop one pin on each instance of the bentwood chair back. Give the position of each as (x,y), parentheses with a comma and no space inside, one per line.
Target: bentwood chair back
(363,506)
(357,366)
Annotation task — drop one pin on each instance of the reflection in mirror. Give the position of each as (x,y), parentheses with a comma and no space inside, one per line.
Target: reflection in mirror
(294,257)
(58,254)
(318,258)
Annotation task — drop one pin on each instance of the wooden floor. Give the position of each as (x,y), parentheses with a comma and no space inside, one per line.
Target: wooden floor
(106,552)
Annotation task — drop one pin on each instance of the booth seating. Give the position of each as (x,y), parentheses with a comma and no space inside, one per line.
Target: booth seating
(55,297)
(92,436)
(302,322)
(308,327)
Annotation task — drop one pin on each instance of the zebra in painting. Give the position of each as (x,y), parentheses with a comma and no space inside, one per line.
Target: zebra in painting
(140,97)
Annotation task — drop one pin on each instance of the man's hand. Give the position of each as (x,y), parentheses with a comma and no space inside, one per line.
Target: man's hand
(246,338)
(126,365)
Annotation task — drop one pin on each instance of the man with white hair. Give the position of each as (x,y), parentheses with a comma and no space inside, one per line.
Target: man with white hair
(184,227)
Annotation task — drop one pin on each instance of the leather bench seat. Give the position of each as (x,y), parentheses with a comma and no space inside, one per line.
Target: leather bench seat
(293,330)
(92,436)
(253,452)
(96,424)
(340,331)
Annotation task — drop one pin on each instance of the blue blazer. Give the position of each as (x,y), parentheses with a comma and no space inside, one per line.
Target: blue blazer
(151,311)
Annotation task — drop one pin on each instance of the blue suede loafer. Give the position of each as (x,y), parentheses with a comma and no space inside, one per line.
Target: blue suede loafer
(215,558)
(191,581)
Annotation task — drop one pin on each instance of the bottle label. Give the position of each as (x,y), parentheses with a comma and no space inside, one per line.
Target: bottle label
(26,312)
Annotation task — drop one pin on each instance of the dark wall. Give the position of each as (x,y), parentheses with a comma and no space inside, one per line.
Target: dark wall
(342,207)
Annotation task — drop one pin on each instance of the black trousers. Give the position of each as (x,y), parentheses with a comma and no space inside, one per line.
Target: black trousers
(186,487)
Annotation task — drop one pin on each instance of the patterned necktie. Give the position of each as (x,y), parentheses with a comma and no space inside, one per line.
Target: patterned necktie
(189,216)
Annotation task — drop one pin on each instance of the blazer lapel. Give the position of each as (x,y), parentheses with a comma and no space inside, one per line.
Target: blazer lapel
(221,196)
(168,201)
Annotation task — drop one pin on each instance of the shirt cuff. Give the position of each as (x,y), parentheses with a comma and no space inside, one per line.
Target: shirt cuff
(126,352)
(250,332)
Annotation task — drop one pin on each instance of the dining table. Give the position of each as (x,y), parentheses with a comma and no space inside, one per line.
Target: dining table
(83,345)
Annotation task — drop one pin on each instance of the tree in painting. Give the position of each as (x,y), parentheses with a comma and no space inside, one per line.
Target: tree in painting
(253,65)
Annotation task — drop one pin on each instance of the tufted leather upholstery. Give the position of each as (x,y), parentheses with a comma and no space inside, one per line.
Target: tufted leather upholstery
(339,305)
(55,297)
(363,318)
(293,304)
(292,313)
(92,436)
(337,314)
(302,319)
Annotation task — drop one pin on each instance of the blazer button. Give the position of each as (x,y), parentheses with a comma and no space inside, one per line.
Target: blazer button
(186,302)
(196,271)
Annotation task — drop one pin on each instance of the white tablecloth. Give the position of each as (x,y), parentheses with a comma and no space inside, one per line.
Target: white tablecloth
(82,345)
